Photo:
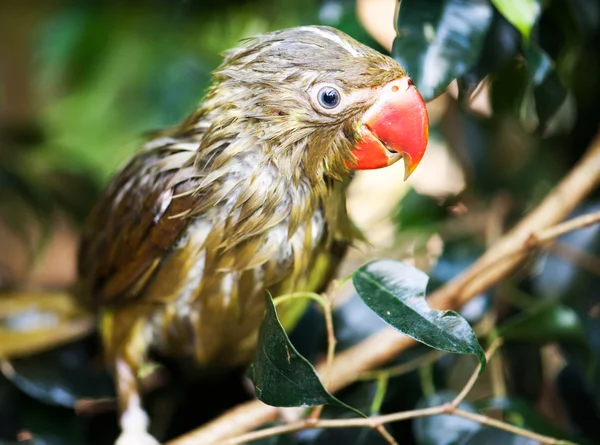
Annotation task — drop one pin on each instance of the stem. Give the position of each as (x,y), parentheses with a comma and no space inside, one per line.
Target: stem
(426,379)
(331,344)
(382,384)
(299,295)
(386,434)
(570,225)
(488,421)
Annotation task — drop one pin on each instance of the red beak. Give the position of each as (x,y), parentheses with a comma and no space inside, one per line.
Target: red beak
(395,126)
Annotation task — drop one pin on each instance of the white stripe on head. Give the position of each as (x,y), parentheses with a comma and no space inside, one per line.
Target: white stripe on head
(330,35)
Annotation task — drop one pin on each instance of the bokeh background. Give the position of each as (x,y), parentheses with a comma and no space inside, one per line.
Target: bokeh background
(82,82)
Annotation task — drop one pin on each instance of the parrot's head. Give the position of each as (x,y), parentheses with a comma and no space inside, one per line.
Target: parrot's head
(319,102)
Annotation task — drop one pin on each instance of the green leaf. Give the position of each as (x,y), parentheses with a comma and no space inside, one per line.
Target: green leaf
(396,292)
(418,212)
(444,429)
(281,376)
(61,376)
(440,40)
(544,324)
(502,43)
(539,64)
(547,88)
(521,13)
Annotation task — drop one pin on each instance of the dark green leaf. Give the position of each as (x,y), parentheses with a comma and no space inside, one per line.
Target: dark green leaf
(502,43)
(549,99)
(52,426)
(443,429)
(61,376)
(548,90)
(509,86)
(281,376)
(396,292)
(539,64)
(440,40)
(522,14)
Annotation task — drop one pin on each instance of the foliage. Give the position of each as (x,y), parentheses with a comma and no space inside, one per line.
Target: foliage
(97,92)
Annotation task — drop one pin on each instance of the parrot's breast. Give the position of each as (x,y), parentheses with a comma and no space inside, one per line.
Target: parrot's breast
(212,286)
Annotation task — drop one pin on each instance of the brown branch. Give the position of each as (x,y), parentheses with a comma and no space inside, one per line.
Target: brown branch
(498,262)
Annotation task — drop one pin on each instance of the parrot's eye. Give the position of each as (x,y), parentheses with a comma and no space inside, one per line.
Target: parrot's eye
(329,97)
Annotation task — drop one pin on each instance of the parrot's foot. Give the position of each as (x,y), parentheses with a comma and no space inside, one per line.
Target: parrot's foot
(136,438)
(134,425)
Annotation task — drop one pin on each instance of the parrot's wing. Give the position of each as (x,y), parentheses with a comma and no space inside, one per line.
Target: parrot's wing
(134,225)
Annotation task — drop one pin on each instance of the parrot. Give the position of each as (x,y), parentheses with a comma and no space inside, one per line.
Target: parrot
(246,195)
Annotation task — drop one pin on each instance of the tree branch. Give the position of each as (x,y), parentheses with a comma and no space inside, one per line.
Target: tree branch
(498,262)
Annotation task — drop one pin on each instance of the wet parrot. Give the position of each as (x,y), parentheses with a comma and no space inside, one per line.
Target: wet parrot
(245,195)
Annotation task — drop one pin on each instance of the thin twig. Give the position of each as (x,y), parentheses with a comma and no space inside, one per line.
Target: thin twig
(331,340)
(386,435)
(469,385)
(570,225)
(87,407)
(382,385)
(299,295)
(488,421)
(370,422)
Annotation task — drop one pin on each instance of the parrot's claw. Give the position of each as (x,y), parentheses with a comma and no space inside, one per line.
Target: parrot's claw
(134,423)
(136,438)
